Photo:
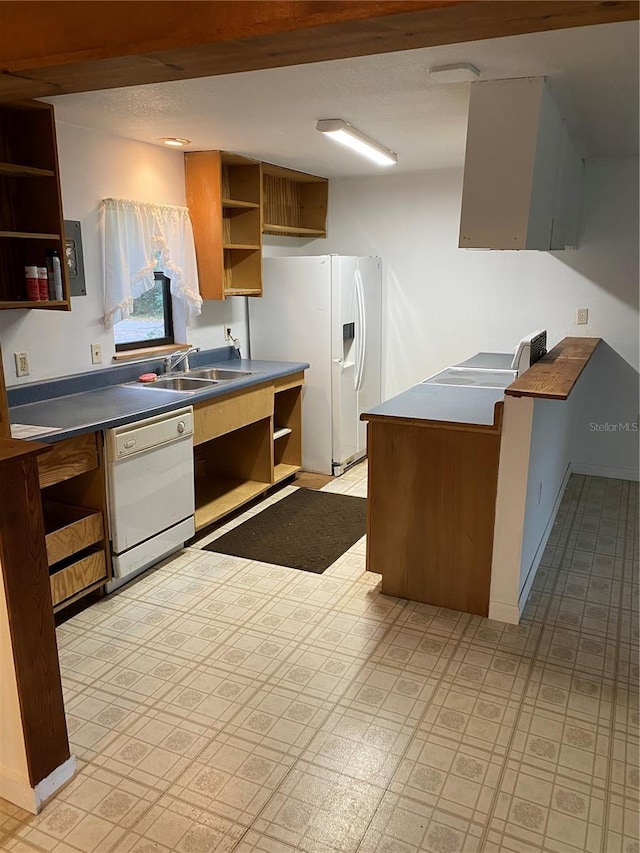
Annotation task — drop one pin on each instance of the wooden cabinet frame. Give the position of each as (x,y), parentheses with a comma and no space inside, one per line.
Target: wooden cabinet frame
(31,219)
(238,453)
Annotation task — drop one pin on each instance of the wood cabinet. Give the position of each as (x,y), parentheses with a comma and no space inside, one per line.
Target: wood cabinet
(224,194)
(431,507)
(31,219)
(295,204)
(74,505)
(234,200)
(244,444)
(522,174)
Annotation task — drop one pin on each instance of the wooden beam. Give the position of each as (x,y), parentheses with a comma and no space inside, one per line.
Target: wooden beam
(54,48)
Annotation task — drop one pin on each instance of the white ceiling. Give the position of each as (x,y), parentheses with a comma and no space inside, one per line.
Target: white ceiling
(271,114)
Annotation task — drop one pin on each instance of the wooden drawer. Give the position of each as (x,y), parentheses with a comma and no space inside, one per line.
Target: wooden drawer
(219,417)
(69,529)
(67,459)
(78,576)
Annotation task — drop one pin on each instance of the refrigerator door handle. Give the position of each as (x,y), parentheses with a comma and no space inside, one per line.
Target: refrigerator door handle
(361,349)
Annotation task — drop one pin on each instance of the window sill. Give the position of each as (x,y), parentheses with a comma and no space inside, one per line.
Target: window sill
(148,352)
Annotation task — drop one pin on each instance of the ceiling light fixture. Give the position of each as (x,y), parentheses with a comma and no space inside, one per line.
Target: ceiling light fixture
(174,141)
(343,132)
(458,72)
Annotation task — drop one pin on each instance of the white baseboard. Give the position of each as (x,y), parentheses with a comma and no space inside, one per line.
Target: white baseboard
(19,791)
(58,778)
(613,472)
(501,612)
(537,557)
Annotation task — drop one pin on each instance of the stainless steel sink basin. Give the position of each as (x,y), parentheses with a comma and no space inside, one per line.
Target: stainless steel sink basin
(180,383)
(220,374)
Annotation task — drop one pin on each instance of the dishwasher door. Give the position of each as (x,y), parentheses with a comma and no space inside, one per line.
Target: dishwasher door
(149,477)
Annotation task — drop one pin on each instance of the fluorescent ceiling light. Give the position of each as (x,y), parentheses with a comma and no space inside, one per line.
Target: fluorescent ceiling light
(458,72)
(343,132)
(174,141)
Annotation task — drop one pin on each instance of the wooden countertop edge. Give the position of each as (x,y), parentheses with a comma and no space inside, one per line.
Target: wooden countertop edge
(12,449)
(554,376)
(496,426)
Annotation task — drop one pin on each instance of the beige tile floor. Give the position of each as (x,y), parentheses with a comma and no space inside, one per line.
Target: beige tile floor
(220,704)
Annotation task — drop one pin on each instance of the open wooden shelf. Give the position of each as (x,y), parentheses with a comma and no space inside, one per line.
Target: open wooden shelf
(294,203)
(280,432)
(29,235)
(25,303)
(219,495)
(224,195)
(15,170)
(69,529)
(31,218)
(293,230)
(70,580)
(241,205)
(281,471)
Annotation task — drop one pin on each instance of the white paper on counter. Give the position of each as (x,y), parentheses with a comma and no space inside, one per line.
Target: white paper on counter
(30,431)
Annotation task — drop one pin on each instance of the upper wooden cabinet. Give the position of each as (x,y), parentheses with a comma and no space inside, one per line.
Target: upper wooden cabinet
(234,200)
(522,174)
(295,204)
(31,219)
(224,194)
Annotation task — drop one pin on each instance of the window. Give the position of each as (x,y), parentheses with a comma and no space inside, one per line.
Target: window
(150,322)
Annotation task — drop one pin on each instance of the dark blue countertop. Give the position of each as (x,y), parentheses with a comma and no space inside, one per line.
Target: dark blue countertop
(101,399)
(449,403)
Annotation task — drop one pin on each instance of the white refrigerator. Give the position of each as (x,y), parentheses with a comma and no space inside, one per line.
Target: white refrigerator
(326,310)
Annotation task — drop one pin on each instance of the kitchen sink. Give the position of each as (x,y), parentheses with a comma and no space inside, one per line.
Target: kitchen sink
(180,383)
(220,374)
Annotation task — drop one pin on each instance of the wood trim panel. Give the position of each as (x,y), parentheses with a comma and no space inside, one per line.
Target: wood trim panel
(294,380)
(203,182)
(222,415)
(554,376)
(5,423)
(67,459)
(26,582)
(93,46)
(148,352)
(431,510)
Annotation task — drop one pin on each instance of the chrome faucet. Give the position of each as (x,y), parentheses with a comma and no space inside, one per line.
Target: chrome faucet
(170,364)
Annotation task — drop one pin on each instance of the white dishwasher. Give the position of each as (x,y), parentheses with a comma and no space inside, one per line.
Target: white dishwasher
(150,491)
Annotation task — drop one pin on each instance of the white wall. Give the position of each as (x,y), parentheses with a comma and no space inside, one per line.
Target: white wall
(93,166)
(444,304)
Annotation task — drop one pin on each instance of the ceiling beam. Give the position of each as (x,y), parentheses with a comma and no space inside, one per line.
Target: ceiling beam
(51,48)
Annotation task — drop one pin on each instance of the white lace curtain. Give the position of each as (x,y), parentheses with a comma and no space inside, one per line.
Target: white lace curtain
(141,239)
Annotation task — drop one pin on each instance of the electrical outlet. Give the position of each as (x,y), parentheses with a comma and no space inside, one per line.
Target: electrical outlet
(227,333)
(582,316)
(22,363)
(96,354)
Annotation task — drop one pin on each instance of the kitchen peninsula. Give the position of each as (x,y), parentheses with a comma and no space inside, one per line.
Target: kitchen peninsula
(441,486)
